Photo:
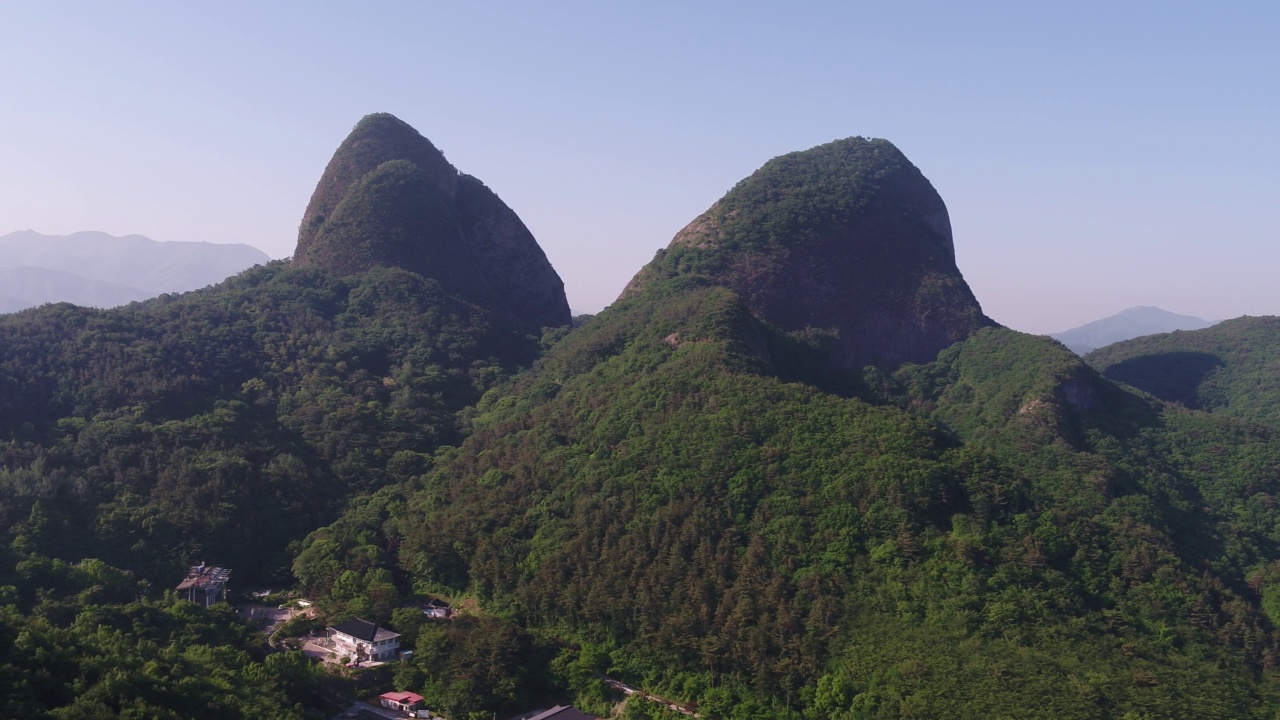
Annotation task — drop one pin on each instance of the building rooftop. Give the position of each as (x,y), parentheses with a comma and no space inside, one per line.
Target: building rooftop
(205,576)
(364,630)
(404,698)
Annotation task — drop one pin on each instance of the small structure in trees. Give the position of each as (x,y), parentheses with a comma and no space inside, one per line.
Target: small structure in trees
(436,609)
(205,585)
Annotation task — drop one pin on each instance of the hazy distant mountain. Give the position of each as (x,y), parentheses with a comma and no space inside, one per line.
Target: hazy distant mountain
(26,287)
(97,269)
(1126,325)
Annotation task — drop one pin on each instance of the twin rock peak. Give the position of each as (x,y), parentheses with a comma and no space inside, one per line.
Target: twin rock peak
(847,237)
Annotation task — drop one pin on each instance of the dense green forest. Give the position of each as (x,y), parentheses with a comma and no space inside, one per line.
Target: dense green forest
(82,641)
(225,424)
(999,533)
(1230,368)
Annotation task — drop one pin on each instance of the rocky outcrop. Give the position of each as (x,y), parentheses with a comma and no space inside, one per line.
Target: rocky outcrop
(512,260)
(847,236)
(376,139)
(389,198)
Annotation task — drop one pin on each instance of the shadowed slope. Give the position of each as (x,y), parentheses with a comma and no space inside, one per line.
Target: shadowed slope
(389,198)
(1231,368)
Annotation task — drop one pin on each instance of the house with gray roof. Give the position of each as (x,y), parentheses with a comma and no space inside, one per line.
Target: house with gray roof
(363,640)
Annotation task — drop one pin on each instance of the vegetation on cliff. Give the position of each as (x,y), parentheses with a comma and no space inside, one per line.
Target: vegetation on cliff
(847,237)
(389,198)
(956,543)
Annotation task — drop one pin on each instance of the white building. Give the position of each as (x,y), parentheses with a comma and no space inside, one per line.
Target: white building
(363,640)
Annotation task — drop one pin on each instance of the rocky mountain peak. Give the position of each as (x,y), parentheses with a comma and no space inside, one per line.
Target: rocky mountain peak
(389,198)
(847,236)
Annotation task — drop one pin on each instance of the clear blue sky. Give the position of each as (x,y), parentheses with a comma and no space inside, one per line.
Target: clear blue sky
(1094,156)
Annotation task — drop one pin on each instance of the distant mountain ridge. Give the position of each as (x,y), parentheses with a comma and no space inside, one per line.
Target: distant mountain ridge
(101,270)
(1126,325)
(26,287)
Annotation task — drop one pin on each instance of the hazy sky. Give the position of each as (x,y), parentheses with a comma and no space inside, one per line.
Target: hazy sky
(1094,156)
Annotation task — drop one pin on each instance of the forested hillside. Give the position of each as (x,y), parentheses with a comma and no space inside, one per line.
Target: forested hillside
(1024,538)
(83,641)
(717,508)
(224,424)
(228,423)
(1232,368)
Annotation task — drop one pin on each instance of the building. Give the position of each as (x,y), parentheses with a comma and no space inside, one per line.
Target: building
(402,701)
(205,585)
(363,640)
(436,609)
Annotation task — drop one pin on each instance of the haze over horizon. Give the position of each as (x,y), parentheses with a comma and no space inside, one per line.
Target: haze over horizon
(1091,160)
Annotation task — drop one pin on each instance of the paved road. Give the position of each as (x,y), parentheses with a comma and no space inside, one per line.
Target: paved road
(271,617)
(364,710)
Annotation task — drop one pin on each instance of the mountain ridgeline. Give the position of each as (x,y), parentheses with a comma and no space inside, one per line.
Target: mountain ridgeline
(388,198)
(99,270)
(1126,325)
(792,472)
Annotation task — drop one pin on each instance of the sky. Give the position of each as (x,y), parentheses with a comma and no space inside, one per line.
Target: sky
(1093,156)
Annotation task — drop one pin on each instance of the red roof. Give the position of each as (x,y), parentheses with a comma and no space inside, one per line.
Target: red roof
(404,698)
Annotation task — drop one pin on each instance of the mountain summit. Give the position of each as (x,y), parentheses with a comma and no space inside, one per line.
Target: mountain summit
(847,236)
(1126,325)
(389,198)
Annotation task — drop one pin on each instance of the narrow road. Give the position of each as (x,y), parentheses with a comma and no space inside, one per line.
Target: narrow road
(629,690)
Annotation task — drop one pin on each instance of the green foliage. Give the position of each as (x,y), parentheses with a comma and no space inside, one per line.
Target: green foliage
(226,424)
(789,200)
(1000,533)
(80,644)
(477,667)
(678,494)
(1229,368)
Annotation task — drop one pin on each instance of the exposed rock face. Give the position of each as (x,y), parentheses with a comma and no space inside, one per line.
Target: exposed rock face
(847,236)
(509,255)
(389,198)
